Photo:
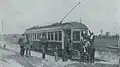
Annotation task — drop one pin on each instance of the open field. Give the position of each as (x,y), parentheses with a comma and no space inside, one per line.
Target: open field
(102,43)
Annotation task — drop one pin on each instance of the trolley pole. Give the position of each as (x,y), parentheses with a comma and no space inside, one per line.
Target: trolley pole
(71,11)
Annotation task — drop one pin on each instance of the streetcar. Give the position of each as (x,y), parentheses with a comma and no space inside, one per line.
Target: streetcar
(58,35)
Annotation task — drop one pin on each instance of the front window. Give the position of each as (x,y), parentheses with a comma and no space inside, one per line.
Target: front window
(48,35)
(56,37)
(51,35)
(39,36)
(76,35)
(44,35)
(60,35)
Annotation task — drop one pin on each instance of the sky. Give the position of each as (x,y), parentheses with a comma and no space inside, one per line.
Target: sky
(18,15)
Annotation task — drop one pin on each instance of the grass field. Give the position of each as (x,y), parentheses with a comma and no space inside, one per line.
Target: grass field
(102,43)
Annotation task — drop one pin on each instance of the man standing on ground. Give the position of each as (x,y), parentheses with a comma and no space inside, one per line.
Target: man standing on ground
(27,46)
(81,49)
(20,42)
(44,46)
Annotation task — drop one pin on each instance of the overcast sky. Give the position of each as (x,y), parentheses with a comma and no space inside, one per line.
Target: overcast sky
(18,15)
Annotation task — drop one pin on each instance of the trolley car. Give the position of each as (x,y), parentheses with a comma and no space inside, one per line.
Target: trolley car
(58,35)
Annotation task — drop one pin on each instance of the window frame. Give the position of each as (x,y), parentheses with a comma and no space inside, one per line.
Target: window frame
(72,34)
(75,35)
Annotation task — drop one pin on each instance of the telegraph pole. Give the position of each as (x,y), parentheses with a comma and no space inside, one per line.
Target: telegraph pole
(80,20)
(2,26)
(2,32)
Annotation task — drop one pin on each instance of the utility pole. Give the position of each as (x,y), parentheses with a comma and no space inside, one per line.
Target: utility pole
(2,32)
(2,26)
(80,20)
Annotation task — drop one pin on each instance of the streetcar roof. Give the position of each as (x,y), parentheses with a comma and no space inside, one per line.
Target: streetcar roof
(59,26)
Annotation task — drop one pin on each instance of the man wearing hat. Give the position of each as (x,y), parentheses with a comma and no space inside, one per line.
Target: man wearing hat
(21,43)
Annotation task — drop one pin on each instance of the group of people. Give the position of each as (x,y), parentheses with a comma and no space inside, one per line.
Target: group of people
(86,47)
(25,45)
(87,50)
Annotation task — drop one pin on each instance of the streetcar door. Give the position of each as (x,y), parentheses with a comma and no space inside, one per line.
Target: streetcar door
(67,38)
(75,38)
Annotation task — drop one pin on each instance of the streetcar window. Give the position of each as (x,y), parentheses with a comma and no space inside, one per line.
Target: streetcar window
(38,36)
(60,35)
(35,36)
(44,34)
(76,35)
(48,35)
(51,35)
(56,38)
(31,36)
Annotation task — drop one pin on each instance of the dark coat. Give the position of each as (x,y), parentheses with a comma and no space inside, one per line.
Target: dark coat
(44,43)
(92,51)
(20,41)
